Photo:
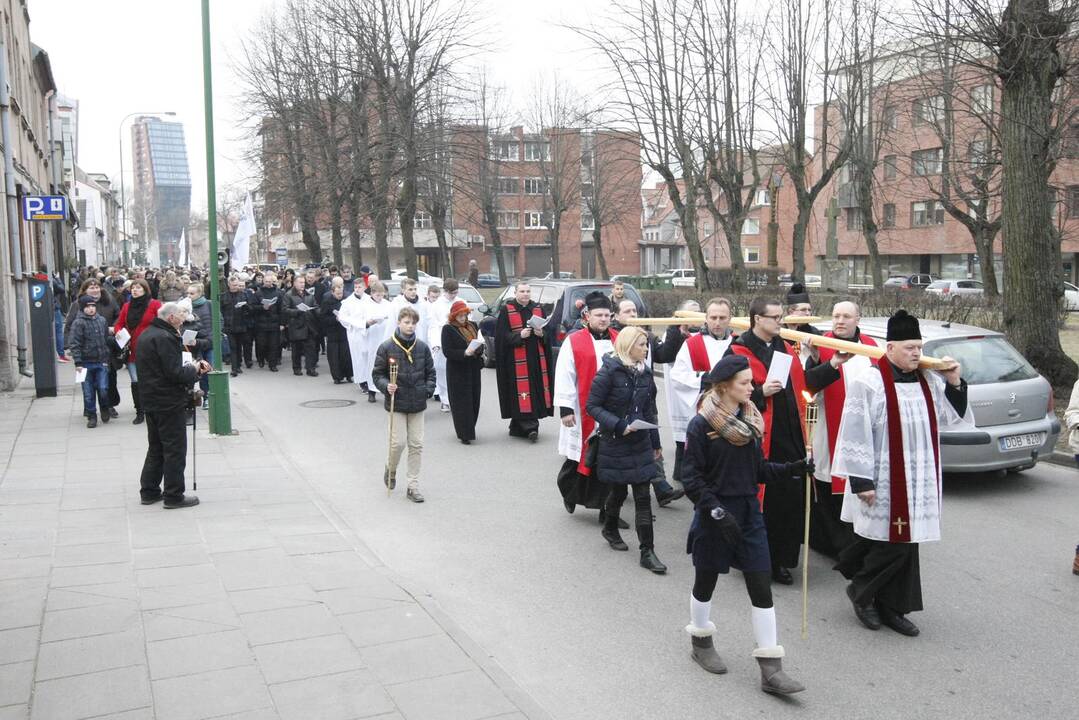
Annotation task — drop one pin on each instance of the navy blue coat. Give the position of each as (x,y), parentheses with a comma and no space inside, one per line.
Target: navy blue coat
(620,395)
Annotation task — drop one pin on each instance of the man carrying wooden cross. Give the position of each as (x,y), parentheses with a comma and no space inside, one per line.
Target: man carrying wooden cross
(888,451)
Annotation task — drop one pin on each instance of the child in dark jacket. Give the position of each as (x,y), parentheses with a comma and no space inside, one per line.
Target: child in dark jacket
(413,385)
(90,351)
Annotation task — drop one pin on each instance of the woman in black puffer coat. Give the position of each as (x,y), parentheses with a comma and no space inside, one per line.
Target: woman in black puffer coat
(623,391)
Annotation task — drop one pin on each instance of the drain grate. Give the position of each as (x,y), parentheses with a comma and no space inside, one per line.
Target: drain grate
(319,404)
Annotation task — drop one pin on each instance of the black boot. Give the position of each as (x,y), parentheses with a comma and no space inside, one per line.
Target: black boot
(610,527)
(643,518)
(139,417)
(91,421)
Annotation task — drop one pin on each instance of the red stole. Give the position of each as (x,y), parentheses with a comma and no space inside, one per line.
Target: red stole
(698,353)
(586,363)
(834,397)
(899,519)
(520,362)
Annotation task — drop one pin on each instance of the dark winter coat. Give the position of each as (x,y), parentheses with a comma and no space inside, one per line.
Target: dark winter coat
(107,308)
(268,318)
(203,313)
(236,320)
(331,328)
(462,380)
(144,323)
(163,379)
(89,339)
(619,396)
(301,324)
(415,380)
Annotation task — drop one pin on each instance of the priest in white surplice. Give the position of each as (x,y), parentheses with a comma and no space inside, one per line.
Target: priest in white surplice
(579,358)
(698,355)
(888,451)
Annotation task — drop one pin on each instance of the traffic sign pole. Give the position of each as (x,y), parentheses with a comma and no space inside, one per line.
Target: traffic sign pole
(220,411)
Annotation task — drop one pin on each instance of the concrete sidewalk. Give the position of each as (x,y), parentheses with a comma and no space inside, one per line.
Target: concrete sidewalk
(259,603)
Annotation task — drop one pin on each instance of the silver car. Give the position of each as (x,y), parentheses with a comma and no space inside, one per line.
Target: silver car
(952,289)
(1011,403)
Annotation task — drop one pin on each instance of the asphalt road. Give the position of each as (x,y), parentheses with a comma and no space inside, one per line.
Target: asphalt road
(590,634)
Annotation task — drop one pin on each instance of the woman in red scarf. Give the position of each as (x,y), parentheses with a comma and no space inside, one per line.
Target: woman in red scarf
(464,361)
(135,316)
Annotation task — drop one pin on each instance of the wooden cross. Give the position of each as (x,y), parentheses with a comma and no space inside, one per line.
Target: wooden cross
(899,525)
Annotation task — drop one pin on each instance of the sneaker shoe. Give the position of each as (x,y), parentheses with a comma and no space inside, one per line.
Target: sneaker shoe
(312,373)
(61,358)
(113,414)
(91,421)
(415,496)
(297,372)
(105,416)
(445,408)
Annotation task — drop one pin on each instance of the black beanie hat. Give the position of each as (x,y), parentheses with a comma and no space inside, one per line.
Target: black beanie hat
(797,294)
(903,326)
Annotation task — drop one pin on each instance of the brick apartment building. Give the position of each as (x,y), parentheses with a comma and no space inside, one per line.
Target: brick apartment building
(519,170)
(917,235)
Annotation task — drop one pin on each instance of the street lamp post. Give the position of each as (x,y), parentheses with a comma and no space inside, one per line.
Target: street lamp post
(123,196)
(220,411)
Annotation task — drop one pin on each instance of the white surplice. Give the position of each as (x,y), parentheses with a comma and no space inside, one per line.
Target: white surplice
(351,315)
(438,314)
(862,451)
(373,335)
(822,456)
(420,306)
(566,395)
(683,383)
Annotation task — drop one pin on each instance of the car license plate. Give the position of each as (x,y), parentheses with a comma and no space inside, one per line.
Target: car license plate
(1018,442)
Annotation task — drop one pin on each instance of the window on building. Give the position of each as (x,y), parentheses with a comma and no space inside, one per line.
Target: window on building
(535,186)
(1073,200)
(751,254)
(508,220)
(763,197)
(505,149)
(854,218)
(587,221)
(891,167)
(927,162)
(751,226)
(535,221)
(890,117)
(509,186)
(928,110)
(586,159)
(422,220)
(586,191)
(981,100)
(887,215)
(535,151)
(926,212)
(978,152)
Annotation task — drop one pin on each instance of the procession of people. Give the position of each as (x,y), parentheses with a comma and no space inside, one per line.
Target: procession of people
(736,407)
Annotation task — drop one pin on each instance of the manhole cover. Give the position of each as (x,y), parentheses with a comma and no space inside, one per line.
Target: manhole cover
(327,403)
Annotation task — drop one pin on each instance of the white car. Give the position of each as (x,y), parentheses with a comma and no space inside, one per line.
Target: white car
(422,278)
(1071,296)
(951,289)
(682,277)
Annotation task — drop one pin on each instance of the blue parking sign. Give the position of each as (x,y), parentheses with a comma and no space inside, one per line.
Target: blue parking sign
(36,208)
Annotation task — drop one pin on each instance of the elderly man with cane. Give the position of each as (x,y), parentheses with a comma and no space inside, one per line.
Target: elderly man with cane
(165,384)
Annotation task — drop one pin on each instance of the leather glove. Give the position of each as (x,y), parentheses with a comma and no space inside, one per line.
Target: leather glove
(727,526)
(799,468)
(430,394)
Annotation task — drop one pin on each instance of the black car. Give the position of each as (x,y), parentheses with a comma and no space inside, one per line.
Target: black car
(488,280)
(559,301)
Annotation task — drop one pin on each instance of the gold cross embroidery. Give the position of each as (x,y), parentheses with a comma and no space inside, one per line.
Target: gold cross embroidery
(899,525)
(524,395)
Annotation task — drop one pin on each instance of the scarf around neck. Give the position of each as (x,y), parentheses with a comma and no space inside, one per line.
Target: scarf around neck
(466,328)
(135,310)
(732,428)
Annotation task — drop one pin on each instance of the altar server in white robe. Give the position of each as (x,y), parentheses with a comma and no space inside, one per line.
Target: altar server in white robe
(439,315)
(351,316)
(376,316)
(888,451)
(697,356)
(408,297)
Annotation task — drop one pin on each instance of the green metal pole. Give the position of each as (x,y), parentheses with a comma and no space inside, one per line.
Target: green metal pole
(220,411)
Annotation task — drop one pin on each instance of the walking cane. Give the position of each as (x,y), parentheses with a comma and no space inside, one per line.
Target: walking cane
(393,397)
(811,423)
(194,448)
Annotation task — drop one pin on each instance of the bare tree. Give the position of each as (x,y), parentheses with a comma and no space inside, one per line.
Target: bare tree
(657,87)
(269,73)
(556,115)
(1028,45)
(805,51)
(434,173)
(610,183)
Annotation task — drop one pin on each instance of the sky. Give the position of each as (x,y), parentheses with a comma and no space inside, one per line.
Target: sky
(142,56)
